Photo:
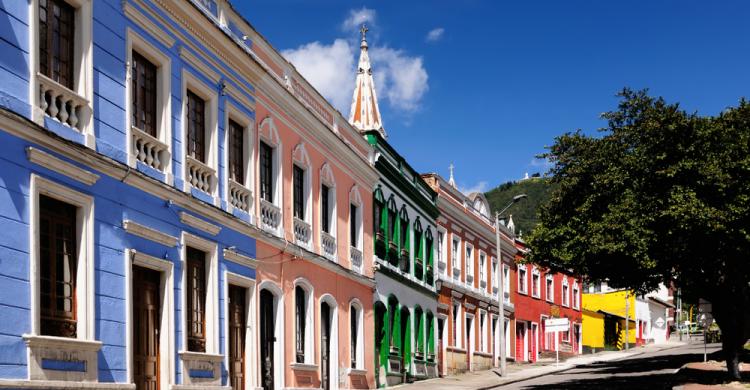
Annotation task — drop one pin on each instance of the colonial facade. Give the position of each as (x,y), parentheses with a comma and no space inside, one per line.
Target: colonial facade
(182,209)
(404,213)
(541,295)
(468,281)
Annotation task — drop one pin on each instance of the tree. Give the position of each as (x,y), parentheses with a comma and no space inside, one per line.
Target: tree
(660,195)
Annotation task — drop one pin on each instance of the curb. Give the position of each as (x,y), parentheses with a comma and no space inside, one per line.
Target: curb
(557,371)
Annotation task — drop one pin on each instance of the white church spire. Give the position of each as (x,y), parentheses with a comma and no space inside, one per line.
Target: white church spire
(365,114)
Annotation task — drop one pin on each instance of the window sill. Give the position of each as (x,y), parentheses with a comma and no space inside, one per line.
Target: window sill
(356,372)
(303,366)
(202,356)
(64,343)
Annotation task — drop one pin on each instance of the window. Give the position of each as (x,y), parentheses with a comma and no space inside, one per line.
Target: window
(535,283)
(391,220)
(298,186)
(428,253)
(482,265)
(236,152)
(495,278)
(266,172)
(550,288)
(56,41)
(403,230)
(565,292)
(196,300)
(58,265)
(143,98)
(353,335)
(419,334)
(455,244)
(576,296)
(483,330)
(196,127)
(441,248)
(506,283)
(301,317)
(353,226)
(356,318)
(456,333)
(522,280)
(469,261)
(324,209)
(566,335)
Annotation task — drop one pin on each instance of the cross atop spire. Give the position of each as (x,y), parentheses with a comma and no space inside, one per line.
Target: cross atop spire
(365,114)
(450,180)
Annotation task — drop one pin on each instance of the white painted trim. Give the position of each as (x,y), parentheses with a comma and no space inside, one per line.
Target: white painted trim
(85,286)
(333,365)
(211,98)
(212,296)
(248,124)
(60,166)
(360,352)
(273,140)
(309,342)
(238,258)
(199,223)
(148,233)
(167,310)
(55,384)
(279,314)
(134,42)
(251,351)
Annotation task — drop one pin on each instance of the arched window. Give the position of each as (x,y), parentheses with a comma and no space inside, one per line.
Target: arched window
(394,319)
(301,197)
(428,257)
(356,334)
(430,322)
(303,322)
(391,214)
(419,332)
(380,222)
(403,240)
(418,250)
(328,212)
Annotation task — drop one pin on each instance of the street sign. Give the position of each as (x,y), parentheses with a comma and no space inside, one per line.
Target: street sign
(553,325)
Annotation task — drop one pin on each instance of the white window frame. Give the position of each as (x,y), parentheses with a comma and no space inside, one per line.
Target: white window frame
(360,352)
(166,306)
(250,319)
(458,316)
(328,179)
(85,281)
(442,250)
(523,282)
(537,284)
(279,314)
(309,322)
(549,291)
(495,276)
(83,67)
(235,114)
(355,198)
(482,268)
(301,158)
(269,134)
(211,98)
(576,295)
(135,42)
(565,294)
(212,292)
(456,256)
(506,283)
(483,318)
(469,263)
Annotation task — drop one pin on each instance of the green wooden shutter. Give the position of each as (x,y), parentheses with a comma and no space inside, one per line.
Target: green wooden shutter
(431,335)
(396,328)
(407,346)
(384,341)
(420,332)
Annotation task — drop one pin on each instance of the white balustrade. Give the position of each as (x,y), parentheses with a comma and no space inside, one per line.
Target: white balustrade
(60,103)
(482,283)
(302,232)
(441,265)
(356,257)
(469,278)
(239,196)
(200,175)
(149,150)
(328,244)
(456,273)
(270,216)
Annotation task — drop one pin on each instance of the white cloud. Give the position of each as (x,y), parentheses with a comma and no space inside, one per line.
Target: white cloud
(400,78)
(329,68)
(478,187)
(435,34)
(359,16)
(541,163)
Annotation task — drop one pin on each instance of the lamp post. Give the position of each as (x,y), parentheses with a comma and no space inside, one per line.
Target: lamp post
(501,281)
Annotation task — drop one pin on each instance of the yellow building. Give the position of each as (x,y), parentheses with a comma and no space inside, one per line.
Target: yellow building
(604,320)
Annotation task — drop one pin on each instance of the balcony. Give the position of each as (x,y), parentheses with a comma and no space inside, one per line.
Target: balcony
(62,104)
(239,196)
(149,150)
(270,216)
(356,257)
(328,245)
(302,232)
(200,175)
(403,263)
(380,244)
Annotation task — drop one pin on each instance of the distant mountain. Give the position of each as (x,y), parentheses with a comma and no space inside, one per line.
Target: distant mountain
(524,212)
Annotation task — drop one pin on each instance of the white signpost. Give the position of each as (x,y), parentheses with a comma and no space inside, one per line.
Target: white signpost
(556,325)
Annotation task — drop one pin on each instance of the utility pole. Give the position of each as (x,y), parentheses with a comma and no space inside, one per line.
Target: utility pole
(501,293)
(627,321)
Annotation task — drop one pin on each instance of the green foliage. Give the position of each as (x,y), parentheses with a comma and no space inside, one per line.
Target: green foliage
(525,213)
(661,195)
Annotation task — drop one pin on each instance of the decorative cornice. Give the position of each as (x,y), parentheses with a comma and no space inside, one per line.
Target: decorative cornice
(199,223)
(457,294)
(148,233)
(443,306)
(470,306)
(62,167)
(141,20)
(483,304)
(233,256)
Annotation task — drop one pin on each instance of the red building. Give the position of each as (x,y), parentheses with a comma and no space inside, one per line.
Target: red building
(540,295)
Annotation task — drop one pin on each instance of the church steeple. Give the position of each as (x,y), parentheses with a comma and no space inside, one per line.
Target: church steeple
(365,114)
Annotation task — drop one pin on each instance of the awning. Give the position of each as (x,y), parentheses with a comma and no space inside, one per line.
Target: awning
(606,313)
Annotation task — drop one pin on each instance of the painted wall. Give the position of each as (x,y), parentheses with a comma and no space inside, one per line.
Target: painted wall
(593,329)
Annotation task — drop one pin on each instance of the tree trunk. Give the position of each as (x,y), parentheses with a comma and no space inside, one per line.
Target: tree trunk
(731,321)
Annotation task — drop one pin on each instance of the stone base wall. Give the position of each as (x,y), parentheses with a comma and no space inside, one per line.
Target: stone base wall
(455,362)
(481,362)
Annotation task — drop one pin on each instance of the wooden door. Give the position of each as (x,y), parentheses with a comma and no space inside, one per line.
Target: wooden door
(441,324)
(325,346)
(237,329)
(146,321)
(267,339)
(534,342)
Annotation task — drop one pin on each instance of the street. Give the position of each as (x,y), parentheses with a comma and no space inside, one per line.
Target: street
(650,370)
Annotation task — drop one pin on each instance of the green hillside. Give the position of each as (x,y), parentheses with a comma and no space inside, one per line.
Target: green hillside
(524,212)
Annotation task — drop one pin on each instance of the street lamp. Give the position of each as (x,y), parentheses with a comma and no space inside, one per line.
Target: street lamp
(501,288)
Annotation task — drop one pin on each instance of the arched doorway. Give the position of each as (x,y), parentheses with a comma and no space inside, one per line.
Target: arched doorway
(271,339)
(329,345)
(381,343)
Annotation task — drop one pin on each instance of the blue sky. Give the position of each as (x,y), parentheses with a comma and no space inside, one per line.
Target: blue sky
(496,81)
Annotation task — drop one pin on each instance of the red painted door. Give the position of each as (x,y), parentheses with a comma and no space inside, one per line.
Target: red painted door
(533,341)
(520,335)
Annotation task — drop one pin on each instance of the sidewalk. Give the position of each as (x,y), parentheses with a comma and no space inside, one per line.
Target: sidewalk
(712,374)
(519,372)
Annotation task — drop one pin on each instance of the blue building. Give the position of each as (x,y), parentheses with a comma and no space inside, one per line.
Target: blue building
(128,237)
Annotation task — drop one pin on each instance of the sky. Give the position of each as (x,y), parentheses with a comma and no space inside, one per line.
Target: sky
(486,85)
